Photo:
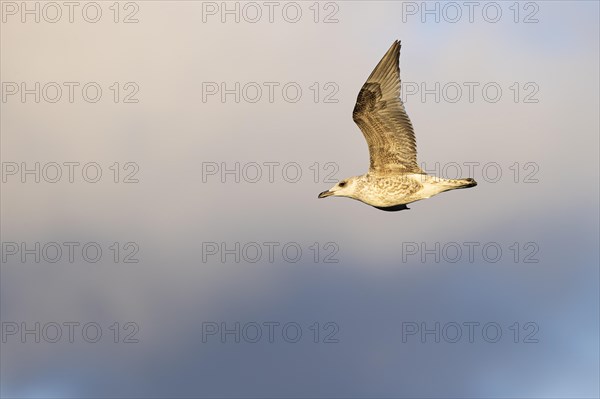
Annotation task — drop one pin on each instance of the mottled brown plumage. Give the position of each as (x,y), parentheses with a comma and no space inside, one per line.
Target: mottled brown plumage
(380,115)
(394,177)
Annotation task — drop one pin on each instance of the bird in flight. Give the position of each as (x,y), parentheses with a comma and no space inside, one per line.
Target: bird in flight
(394,179)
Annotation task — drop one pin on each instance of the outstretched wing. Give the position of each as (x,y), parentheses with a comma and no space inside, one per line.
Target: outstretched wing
(380,115)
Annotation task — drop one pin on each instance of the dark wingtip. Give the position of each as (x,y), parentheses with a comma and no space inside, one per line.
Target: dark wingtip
(394,208)
(471,183)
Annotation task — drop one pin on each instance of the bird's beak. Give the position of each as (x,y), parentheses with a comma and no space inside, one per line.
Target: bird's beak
(325,194)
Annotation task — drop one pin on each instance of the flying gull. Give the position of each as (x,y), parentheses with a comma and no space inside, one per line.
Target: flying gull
(394,179)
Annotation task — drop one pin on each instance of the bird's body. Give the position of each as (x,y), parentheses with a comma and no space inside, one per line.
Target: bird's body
(394,179)
(385,191)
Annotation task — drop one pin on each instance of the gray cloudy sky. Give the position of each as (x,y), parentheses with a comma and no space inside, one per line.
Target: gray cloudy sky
(198,144)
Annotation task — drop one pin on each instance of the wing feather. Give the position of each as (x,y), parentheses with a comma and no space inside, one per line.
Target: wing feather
(380,115)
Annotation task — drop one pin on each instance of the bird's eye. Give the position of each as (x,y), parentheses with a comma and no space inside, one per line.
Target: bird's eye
(342,184)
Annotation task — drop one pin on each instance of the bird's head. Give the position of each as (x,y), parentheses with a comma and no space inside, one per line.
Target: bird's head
(345,188)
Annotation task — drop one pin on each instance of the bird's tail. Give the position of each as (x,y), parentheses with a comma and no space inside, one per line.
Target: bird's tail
(461,183)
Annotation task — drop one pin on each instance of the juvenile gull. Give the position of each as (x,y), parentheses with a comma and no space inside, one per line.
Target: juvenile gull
(394,179)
